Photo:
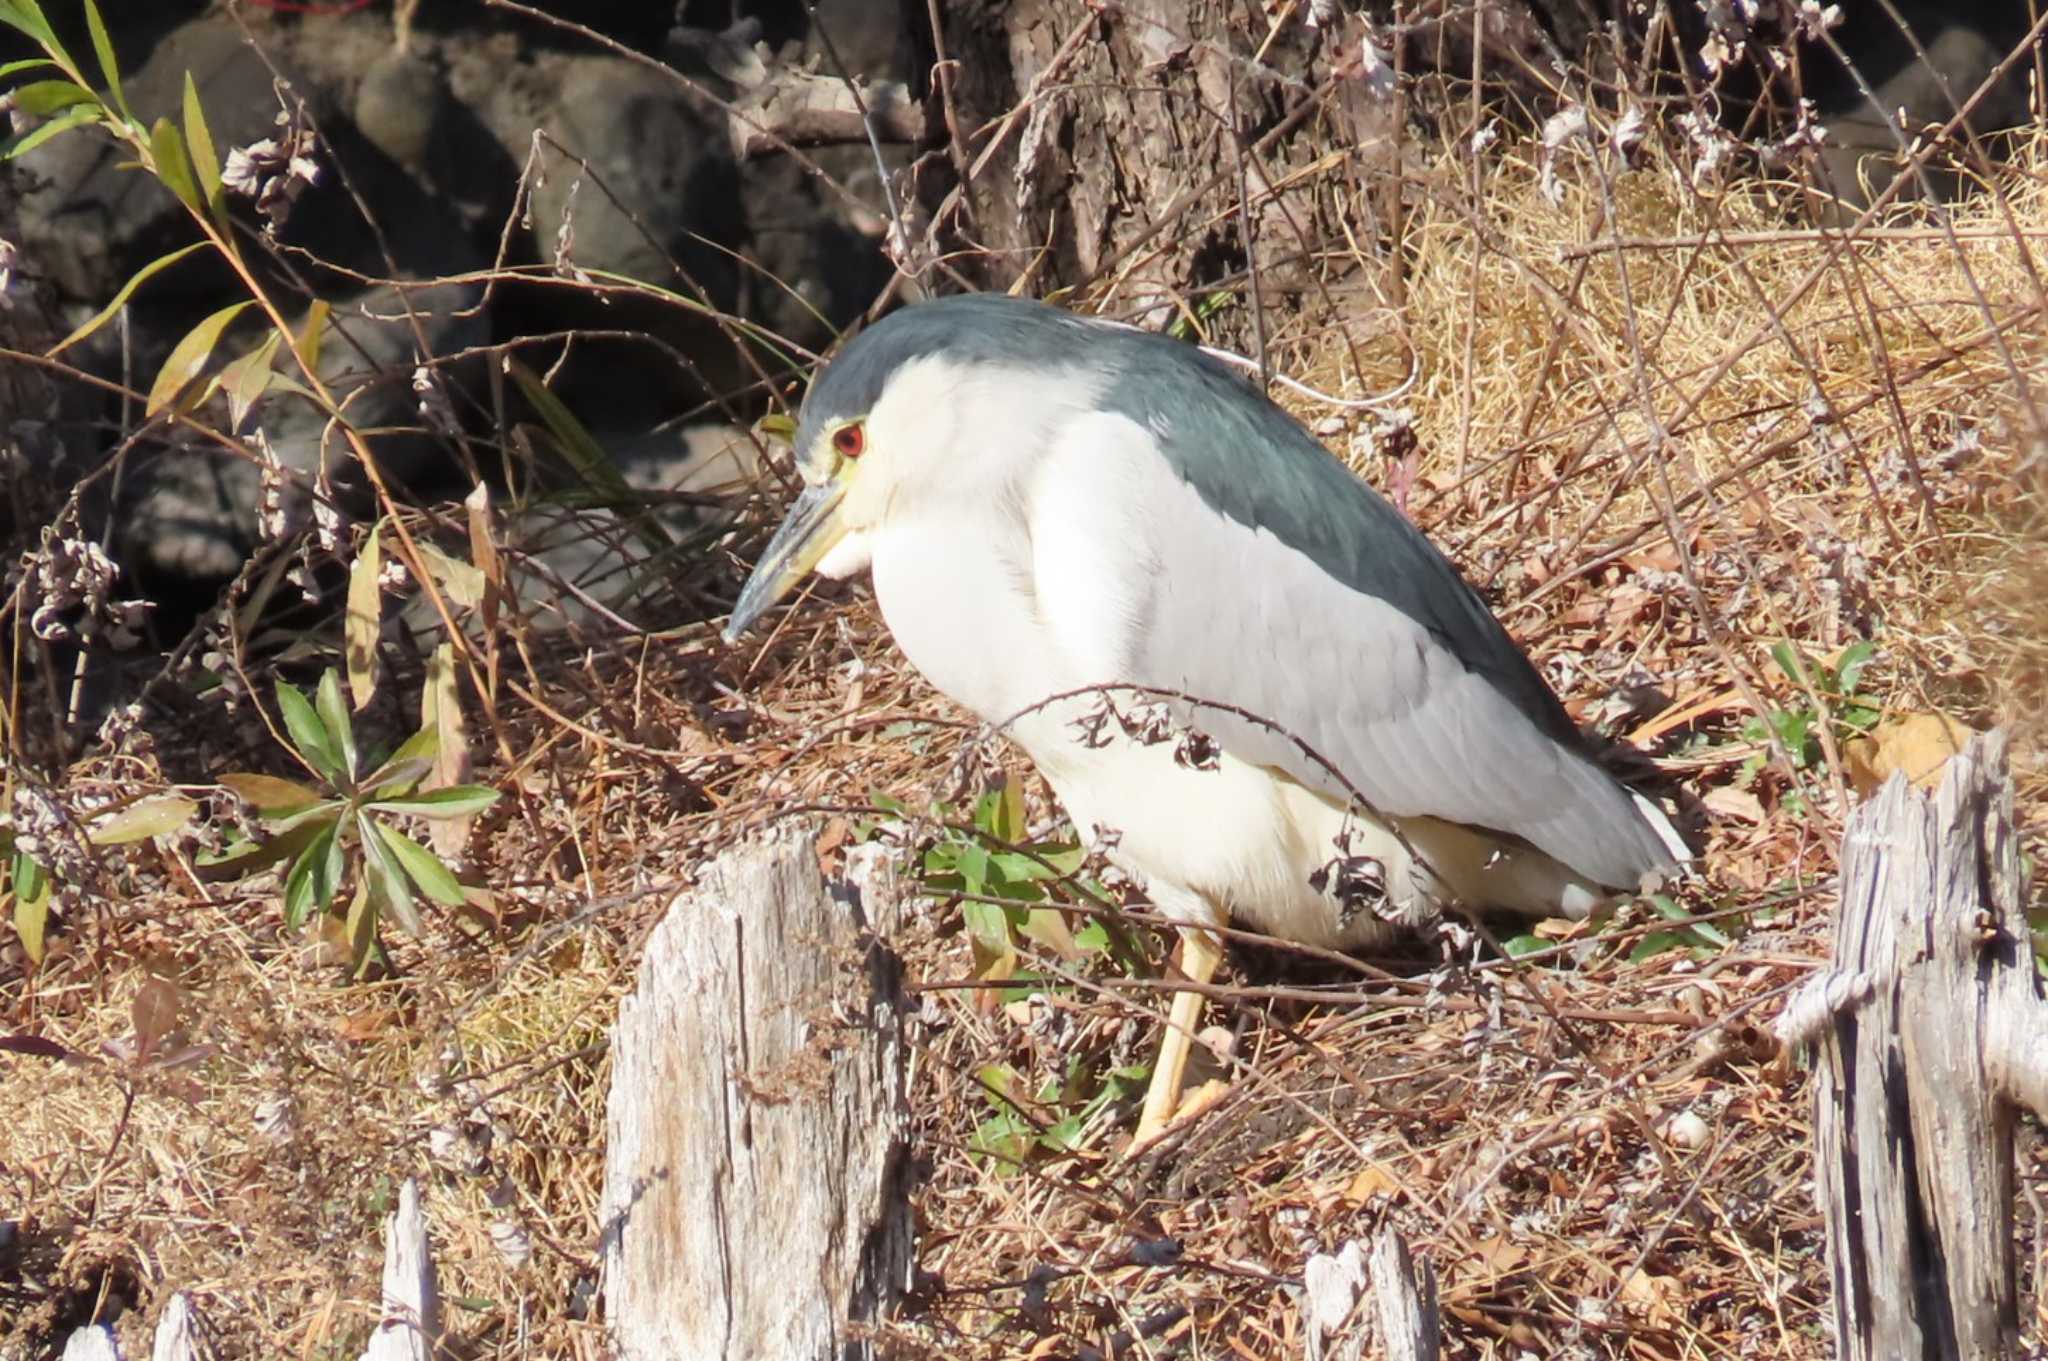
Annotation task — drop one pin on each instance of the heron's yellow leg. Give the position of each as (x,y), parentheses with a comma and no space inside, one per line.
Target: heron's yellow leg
(1200,953)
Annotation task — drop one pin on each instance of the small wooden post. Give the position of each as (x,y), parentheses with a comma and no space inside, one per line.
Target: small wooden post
(1336,1325)
(754,1203)
(1929,1024)
(410,1321)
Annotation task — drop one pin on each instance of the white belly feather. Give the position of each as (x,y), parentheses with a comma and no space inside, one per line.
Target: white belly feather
(1233,838)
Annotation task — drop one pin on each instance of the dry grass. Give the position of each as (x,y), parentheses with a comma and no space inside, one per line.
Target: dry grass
(1844,458)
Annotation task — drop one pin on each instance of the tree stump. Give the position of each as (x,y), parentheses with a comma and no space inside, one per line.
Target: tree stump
(1930,1027)
(754,1198)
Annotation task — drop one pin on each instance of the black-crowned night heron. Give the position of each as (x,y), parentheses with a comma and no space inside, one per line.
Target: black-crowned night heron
(1049,503)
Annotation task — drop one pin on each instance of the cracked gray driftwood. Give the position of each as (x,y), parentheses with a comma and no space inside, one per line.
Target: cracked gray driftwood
(754,1200)
(1937,1038)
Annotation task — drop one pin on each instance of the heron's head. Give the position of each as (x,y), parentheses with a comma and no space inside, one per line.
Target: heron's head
(930,405)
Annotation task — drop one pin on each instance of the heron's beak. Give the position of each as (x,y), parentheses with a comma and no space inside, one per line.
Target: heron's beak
(807,534)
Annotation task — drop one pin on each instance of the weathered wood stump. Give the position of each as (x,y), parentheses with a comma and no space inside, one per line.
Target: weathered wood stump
(754,1198)
(1403,1320)
(1930,1027)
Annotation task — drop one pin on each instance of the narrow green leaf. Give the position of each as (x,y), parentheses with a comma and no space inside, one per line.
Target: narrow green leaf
(314,876)
(388,884)
(173,166)
(103,48)
(27,16)
(311,332)
(140,277)
(310,735)
(189,356)
(601,476)
(1790,662)
(334,713)
(199,141)
(453,802)
(403,767)
(45,97)
(1850,669)
(15,68)
(31,892)
(244,858)
(43,132)
(422,866)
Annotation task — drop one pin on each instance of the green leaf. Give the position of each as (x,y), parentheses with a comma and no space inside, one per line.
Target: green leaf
(15,68)
(173,166)
(315,876)
(103,48)
(1009,813)
(989,924)
(777,426)
(140,277)
(310,735)
(188,357)
(1849,670)
(205,164)
(388,884)
(1528,943)
(422,866)
(589,458)
(31,891)
(36,136)
(1669,909)
(45,97)
(414,756)
(361,926)
(972,862)
(27,16)
(243,858)
(1789,660)
(311,332)
(1656,943)
(333,712)
(455,801)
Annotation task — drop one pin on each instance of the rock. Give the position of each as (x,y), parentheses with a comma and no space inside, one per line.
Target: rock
(1964,45)
(666,176)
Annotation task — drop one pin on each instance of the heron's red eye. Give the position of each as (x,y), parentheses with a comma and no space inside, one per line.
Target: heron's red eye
(849,440)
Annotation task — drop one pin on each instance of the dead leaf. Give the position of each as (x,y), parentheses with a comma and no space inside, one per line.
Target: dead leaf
(1652,1297)
(150,816)
(441,710)
(1498,1255)
(1727,801)
(483,552)
(1918,745)
(365,1026)
(154,1014)
(1372,1180)
(363,618)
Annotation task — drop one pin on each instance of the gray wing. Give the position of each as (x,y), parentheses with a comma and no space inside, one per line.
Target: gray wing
(1413,692)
